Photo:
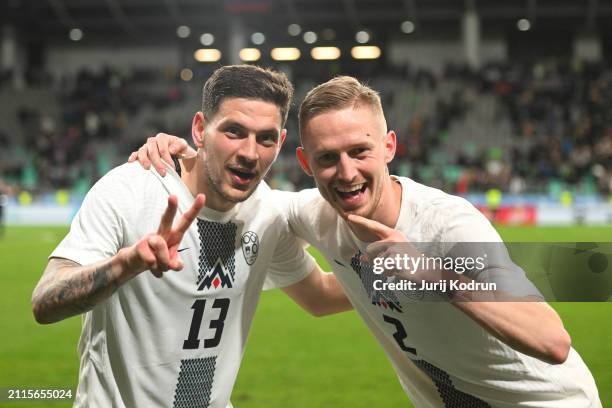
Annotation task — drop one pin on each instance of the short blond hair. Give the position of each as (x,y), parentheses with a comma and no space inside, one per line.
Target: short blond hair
(338,93)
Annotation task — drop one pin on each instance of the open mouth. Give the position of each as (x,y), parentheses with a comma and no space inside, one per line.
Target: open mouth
(242,176)
(351,192)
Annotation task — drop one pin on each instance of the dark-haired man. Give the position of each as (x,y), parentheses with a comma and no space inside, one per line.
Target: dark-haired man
(178,341)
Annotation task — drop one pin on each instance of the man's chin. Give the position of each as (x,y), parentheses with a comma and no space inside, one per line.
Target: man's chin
(237,196)
(345,212)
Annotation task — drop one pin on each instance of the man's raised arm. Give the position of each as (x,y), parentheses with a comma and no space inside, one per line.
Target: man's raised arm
(67,288)
(529,326)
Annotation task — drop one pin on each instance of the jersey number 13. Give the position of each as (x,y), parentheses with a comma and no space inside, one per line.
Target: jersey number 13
(193,342)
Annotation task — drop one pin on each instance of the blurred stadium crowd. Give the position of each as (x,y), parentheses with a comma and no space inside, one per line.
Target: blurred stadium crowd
(541,128)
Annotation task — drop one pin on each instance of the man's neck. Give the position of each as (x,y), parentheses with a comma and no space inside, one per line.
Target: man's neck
(388,210)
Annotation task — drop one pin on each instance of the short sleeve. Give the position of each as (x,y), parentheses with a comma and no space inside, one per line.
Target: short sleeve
(471,235)
(291,263)
(96,232)
(467,224)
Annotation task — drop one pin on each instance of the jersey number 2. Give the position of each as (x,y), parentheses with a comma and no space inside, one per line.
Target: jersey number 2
(193,342)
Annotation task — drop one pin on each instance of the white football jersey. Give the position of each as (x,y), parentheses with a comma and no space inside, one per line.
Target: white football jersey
(176,341)
(442,357)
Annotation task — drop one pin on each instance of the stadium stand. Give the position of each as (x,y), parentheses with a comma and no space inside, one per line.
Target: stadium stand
(520,128)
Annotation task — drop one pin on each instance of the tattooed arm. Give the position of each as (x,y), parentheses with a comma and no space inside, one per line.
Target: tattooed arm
(67,288)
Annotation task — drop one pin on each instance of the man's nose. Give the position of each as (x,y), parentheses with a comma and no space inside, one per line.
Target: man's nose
(248,150)
(346,169)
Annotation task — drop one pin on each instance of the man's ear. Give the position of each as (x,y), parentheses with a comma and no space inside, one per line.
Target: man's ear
(197,129)
(303,160)
(390,146)
(281,140)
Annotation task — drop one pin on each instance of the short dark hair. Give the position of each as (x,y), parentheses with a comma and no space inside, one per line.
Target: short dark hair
(247,81)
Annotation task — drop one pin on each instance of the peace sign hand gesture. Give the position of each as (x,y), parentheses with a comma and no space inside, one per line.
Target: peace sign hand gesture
(158,252)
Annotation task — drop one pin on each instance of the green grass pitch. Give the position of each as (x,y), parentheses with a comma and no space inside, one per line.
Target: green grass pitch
(292,359)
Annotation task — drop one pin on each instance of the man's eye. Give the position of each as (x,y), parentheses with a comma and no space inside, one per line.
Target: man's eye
(232,131)
(327,158)
(267,139)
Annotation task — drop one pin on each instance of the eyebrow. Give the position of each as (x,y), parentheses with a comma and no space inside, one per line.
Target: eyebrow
(365,144)
(232,122)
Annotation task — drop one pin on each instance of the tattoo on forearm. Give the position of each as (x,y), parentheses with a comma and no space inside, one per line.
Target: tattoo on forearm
(79,293)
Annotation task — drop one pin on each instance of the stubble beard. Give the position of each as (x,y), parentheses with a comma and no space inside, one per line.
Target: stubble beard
(216,185)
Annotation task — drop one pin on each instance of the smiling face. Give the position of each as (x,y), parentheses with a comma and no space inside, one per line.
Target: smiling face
(347,151)
(236,148)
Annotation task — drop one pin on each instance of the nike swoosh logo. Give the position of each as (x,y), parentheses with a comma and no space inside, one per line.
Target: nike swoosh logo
(338,262)
(181,250)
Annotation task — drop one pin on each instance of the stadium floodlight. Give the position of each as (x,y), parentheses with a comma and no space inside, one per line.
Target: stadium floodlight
(207,39)
(523,24)
(258,38)
(325,53)
(285,54)
(186,74)
(207,55)
(294,30)
(362,37)
(407,27)
(249,54)
(76,34)
(365,52)
(310,37)
(183,31)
